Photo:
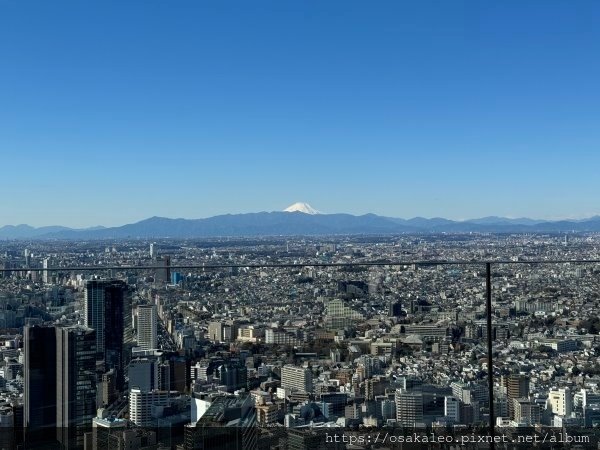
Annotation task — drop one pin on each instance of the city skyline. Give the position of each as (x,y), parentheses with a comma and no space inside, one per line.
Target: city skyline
(404,110)
(323,346)
(299,225)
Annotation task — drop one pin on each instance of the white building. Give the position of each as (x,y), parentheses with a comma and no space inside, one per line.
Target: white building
(147,324)
(296,378)
(146,407)
(561,402)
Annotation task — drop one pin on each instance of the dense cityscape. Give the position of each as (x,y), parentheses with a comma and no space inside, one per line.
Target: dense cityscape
(269,342)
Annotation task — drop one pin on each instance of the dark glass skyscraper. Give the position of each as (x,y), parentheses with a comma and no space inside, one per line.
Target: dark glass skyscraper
(107,309)
(40,383)
(75,383)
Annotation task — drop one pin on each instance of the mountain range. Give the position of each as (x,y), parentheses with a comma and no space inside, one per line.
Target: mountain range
(298,219)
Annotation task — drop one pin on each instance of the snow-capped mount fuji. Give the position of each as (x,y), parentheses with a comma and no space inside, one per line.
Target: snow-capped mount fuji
(303,208)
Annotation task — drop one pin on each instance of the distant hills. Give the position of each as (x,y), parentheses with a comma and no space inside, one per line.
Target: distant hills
(297,223)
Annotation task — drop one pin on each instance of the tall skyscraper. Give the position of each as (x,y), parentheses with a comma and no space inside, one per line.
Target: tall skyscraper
(107,311)
(75,383)
(517,386)
(46,275)
(147,324)
(94,310)
(40,383)
(409,407)
(163,273)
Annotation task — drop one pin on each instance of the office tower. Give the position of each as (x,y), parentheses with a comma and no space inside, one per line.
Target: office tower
(104,430)
(142,405)
(163,272)
(517,386)
(452,408)
(409,408)
(46,275)
(586,397)
(108,387)
(216,331)
(107,310)
(233,376)
(27,255)
(296,378)
(176,278)
(222,331)
(228,423)
(152,250)
(39,402)
(591,415)
(388,410)
(75,383)
(143,374)
(527,412)
(395,309)
(561,401)
(178,374)
(147,327)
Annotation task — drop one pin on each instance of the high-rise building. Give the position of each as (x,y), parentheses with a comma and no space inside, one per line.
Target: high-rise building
(46,274)
(163,273)
(228,423)
(144,406)
(527,412)
(107,311)
(104,429)
(409,408)
(388,410)
(178,373)
(395,308)
(216,331)
(452,408)
(296,378)
(561,401)
(75,383)
(233,376)
(152,250)
(586,397)
(147,324)
(143,374)
(39,401)
(108,387)
(517,386)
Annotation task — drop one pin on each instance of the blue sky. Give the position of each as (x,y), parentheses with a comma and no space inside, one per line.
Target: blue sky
(114,111)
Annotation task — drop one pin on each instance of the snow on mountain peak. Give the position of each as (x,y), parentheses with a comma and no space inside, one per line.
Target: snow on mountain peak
(301,207)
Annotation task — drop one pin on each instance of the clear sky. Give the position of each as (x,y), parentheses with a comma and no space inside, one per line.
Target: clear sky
(115,111)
